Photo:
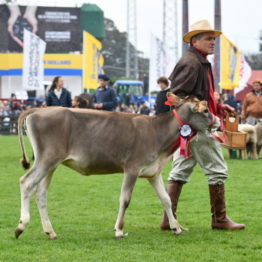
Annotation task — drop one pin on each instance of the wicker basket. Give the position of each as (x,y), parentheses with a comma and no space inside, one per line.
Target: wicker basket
(233,139)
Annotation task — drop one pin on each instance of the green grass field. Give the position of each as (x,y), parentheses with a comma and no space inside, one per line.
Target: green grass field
(83,212)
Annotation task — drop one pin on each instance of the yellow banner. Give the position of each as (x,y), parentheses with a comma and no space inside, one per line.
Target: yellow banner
(230,64)
(63,61)
(93,61)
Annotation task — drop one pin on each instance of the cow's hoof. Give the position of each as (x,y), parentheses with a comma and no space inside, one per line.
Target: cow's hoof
(119,234)
(177,231)
(18,232)
(52,236)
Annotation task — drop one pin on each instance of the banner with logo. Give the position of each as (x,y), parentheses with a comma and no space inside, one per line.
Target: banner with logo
(235,71)
(93,61)
(33,64)
(59,27)
(161,62)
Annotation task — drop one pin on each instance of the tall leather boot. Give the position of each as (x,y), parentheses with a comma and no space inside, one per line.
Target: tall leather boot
(173,189)
(218,209)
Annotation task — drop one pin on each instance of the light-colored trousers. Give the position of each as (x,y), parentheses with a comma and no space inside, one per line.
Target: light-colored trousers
(207,152)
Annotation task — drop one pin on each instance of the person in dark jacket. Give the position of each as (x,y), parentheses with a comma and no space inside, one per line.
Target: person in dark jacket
(161,96)
(192,76)
(80,102)
(105,96)
(58,95)
(230,100)
(144,109)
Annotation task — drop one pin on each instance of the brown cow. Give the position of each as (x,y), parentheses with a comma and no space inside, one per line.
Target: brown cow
(99,142)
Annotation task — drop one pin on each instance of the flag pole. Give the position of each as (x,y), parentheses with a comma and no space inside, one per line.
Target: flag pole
(184,24)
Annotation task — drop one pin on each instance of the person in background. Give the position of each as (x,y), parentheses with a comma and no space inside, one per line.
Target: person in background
(79,102)
(152,112)
(161,96)
(219,101)
(58,95)
(135,108)
(11,102)
(217,97)
(252,104)
(105,96)
(230,100)
(131,109)
(144,109)
(89,98)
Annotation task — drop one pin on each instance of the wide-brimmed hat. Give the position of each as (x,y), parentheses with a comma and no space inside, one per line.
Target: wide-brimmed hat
(202,26)
(103,77)
(257,81)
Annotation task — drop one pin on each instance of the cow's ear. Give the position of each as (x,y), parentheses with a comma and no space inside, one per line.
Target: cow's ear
(172,100)
(194,107)
(199,106)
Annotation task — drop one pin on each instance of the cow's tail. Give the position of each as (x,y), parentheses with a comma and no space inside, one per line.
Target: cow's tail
(24,161)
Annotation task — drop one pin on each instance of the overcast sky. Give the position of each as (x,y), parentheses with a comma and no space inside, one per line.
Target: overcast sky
(241,19)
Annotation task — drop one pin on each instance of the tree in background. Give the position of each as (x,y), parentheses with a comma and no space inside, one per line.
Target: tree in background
(255,60)
(114,52)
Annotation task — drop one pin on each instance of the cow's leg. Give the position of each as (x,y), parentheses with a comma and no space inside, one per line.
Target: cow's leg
(125,197)
(41,200)
(254,151)
(244,153)
(158,185)
(28,183)
(258,150)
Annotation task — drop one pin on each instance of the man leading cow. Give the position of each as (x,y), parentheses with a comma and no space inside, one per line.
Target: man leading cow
(192,75)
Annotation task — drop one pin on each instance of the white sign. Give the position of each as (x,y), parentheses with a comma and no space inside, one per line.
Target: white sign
(161,62)
(33,64)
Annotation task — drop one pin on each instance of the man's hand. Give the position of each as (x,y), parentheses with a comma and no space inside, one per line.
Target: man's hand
(243,118)
(228,108)
(99,106)
(224,109)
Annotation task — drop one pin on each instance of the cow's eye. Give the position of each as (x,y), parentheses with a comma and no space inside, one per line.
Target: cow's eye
(206,111)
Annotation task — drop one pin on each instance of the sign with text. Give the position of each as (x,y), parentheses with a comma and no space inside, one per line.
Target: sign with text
(33,64)
(59,27)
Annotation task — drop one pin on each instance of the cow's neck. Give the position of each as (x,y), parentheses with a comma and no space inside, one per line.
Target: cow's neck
(167,130)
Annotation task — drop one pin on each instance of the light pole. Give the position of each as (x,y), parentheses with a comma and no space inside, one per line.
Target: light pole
(217,48)
(184,24)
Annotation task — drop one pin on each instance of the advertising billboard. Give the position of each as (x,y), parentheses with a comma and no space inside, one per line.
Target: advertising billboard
(59,27)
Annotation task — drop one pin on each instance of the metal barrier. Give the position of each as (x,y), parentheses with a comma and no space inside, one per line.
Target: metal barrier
(8,125)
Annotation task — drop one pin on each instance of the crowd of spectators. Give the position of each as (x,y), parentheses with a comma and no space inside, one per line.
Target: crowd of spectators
(141,108)
(10,110)
(104,98)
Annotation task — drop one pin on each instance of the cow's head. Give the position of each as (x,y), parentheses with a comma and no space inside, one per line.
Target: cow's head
(193,112)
